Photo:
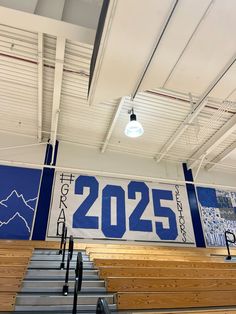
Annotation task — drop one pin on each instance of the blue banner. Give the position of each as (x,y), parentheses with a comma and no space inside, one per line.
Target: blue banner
(18,198)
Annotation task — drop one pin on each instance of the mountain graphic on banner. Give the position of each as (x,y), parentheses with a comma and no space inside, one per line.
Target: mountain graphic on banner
(16,214)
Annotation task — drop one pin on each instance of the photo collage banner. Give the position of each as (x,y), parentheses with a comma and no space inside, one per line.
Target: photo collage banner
(218,212)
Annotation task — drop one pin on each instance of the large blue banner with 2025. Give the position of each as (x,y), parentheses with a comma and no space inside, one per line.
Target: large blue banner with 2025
(103,207)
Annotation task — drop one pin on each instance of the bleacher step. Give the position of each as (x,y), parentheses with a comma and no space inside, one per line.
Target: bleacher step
(49,300)
(41,290)
(30,286)
(58,258)
(53,252)
(55,265)
(57,274)
(65,309)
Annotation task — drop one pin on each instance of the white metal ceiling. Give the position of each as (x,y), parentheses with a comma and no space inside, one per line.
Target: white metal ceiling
(79,12)
(160,110)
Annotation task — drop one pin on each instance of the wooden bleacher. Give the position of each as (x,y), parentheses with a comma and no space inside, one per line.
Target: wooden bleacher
(142,277)
(215,311)
(13,264)
(14,259)
(146,272)
(167,278)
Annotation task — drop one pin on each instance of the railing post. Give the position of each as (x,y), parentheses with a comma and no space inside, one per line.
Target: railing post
(62,266)
(102,307)
(78,280)
(65,289)
(61,235)
(227,241)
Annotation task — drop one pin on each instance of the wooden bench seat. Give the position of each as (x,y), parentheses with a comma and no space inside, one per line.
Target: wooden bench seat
(154,257)
(15,252)
(112,271)
(12,271)
(191,311)
(159,251)
(53,245)
(16,260)
(131,284)
(160,300)
(166,264)
(7,301)
(10,284)
(149,246)
(157,247)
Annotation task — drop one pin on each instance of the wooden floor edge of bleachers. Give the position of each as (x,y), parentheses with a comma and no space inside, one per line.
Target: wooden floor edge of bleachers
(166,285)
(7,301)
(190,311)
(160,263)
(14,261)
(160,272)
(182,300)
(154,257)
(36,244)
(48,244)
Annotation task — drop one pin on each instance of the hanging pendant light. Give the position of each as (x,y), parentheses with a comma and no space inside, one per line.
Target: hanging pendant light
(133,128)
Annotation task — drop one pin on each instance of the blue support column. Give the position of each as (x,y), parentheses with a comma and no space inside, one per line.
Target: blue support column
(193,203)
(41,219)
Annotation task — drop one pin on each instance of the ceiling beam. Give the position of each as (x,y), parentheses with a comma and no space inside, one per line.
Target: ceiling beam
(194,113)
(40,85)
(35,6)
(188,42)
(199,167)
(160,36)
(112,124)
(42,24)
(52,9)
(58,75)
(22,146)
(220,157)
(228,128)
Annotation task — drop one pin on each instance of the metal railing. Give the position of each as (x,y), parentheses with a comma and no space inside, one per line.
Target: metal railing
(61,223)
(65,289)
(102,306)
(227,241)
(62,266)
(78,280)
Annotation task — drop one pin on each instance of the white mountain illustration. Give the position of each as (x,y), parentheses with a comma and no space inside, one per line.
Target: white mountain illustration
(14,216)
(14,192)
(15,208)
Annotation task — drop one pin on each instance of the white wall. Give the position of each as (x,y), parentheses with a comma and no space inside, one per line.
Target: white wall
(223,178)
(81,157)
(32,154)
(75,156)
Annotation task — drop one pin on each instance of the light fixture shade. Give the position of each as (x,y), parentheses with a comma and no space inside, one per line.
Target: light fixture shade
(133,128)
